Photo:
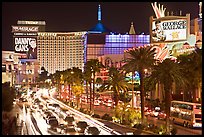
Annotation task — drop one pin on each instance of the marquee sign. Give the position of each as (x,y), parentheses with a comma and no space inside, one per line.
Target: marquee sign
(25,28)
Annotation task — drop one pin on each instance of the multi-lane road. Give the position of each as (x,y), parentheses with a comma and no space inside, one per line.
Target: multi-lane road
(102,109)
(36,125)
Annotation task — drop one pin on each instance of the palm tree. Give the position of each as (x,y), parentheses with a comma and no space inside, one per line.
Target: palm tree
(115,83)
(129,69)
(69,79)
(193,68)
(139,59)
(88,80)
(72,76)
(167,73)
(58,77)
(93,66)
(42,77)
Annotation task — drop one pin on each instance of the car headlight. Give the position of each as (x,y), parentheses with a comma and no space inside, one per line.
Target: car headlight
(78,129)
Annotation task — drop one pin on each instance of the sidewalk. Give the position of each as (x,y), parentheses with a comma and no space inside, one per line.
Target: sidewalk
(16,111)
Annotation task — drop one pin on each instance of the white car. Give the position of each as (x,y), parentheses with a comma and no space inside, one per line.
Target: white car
(154,113)
(50,106)
(96,103)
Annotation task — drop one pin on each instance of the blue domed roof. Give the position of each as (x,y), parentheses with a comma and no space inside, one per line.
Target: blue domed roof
(100,28)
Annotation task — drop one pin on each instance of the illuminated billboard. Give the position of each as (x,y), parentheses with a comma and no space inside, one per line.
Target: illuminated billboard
(26,45)
(136,77)
(25,28)
(169,29)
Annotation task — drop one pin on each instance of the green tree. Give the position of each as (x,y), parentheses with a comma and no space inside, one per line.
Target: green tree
(139,59)
(57,77)
(78,90)
(92,67)
(167,73)
(124,97)
(72,77)
(88,80)
(192,64)
(8,95)
(115,83)
(43,75)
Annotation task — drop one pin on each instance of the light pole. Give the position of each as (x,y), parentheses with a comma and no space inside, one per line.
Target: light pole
(71,96)
(182,93)
(92,83)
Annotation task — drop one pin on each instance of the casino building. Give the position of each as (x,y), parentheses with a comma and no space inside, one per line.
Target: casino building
(60,51)
(63,50)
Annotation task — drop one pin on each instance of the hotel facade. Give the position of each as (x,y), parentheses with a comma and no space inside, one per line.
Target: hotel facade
(59,51)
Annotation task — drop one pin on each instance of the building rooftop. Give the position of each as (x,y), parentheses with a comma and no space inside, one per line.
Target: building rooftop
(99,27)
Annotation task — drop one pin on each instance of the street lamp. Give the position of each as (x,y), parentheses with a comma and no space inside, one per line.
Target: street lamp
(145,71)
(70,93)
(182,93)
(92,83)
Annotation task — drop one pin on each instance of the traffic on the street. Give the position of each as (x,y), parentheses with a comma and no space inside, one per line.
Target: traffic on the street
(46,115)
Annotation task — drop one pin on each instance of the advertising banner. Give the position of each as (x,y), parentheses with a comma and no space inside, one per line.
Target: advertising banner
(25,29)
(168,30)
(26,45)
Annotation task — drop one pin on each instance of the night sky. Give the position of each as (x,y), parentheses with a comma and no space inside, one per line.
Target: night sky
(82,16)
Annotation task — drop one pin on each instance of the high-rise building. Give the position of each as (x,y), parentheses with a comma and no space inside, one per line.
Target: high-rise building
(61,50)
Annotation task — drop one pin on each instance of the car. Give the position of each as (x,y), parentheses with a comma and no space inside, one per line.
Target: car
(90,130)
(56,105)
(47,114)
(60,127)
(147,112)
(62,114)
(16,100)
(50,117)
(154,113)
(52,125)
(108,102)
(37,101)
(96,103)
(50,106)
(57,110)
(23,100)
(81,126)
(69,131)
(41,106)
(69,120)
(33,106)
(162,115)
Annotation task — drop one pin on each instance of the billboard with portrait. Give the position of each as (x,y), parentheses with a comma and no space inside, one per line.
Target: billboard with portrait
(169,29)
(26,45)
